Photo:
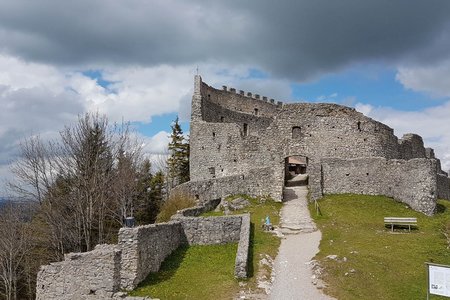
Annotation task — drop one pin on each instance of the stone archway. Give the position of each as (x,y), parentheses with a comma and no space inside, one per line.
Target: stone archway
(296,170)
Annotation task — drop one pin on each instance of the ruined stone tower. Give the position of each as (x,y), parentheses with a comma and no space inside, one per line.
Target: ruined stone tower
(241,142)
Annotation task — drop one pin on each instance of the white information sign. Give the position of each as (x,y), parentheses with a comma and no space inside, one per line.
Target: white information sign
(439,280)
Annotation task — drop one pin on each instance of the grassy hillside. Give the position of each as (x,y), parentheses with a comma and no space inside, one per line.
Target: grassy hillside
(372,262)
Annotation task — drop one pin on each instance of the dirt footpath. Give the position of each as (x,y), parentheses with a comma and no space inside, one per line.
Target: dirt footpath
(293,268)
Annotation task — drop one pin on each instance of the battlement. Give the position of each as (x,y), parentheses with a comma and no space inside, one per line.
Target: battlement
(250,95)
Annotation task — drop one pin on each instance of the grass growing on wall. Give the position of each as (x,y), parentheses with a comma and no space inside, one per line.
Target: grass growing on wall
(378,264)
(196,272)
(207,272)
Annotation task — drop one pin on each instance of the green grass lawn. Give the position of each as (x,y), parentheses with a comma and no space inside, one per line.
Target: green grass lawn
(195,272)
(261,242)
(379,264)
(207,272)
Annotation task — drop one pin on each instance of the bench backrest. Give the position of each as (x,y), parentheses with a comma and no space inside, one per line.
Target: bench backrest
(399,220)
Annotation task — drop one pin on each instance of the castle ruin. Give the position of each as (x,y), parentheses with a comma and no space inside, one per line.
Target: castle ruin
(245,143)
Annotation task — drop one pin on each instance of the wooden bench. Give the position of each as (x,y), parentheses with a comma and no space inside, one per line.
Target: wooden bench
(400,222)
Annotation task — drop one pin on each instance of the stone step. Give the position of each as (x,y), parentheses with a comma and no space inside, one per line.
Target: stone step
(288,231)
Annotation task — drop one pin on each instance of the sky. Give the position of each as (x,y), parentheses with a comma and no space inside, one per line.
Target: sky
(135,60)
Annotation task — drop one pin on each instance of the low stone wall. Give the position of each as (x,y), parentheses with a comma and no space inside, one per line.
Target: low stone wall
(90,275)
(241,264)
(413,182)
(211,230)
(197,210)
(100,273)
(257,182)
(144,248)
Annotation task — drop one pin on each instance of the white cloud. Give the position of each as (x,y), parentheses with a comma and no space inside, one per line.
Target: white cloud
(325,98)
(431,123)
(431,79)
(156,144)
(40,99)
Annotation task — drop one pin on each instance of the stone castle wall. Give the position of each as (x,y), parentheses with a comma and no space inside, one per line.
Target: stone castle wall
(144,248)
(404,180)
(255,182)
(242,255)
(90,275)
(411,146)
(211,230)
(233,134)
(100,273)
(443,183)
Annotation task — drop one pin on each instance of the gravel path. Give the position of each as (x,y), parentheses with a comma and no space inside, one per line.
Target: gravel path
(293,268)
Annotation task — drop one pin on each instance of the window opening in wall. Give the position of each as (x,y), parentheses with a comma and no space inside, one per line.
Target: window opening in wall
(359,126)
(296,132)
(245,129)
(214,134)
(256,111)
(222,118)
(209,97)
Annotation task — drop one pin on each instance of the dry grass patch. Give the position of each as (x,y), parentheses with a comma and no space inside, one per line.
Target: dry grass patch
(177,201)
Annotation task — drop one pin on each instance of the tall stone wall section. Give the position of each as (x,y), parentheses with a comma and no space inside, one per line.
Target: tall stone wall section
(91,275)
(410,181)
(233,133)
(411,146)
(144,248)
(443,182)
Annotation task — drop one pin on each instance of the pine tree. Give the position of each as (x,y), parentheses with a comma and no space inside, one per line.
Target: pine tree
(178,161)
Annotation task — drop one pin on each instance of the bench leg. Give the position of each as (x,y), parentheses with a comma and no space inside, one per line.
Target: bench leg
(392,227)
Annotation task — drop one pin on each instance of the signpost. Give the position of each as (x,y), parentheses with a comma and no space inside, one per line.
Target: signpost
(438,280)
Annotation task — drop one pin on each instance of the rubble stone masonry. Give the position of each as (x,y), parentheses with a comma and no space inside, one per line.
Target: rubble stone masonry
(235,136)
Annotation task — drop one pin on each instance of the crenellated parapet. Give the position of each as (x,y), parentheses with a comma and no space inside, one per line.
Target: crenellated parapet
(250,95)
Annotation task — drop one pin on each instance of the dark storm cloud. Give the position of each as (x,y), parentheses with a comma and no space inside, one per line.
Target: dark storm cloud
(293,39)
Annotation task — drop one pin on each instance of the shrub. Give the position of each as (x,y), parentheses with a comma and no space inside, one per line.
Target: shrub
(176,201)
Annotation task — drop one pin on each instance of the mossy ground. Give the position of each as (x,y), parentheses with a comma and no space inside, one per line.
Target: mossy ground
(386,265)
(207,272)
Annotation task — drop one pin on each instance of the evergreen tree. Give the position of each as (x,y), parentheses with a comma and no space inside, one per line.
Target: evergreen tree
(178,161)
(149,198)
